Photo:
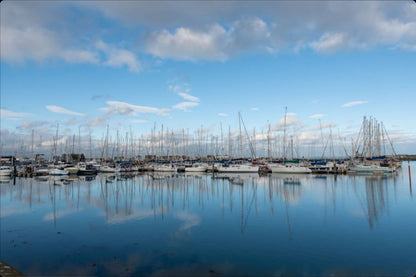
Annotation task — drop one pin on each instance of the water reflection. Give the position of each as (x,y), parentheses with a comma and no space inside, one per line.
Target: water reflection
(127,197)
(162,223)
(376,198)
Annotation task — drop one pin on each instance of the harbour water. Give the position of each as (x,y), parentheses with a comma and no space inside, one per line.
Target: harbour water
(198,225)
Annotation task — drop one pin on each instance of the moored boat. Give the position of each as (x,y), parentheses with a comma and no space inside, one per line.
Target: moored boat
(6,170)
(197,167)
(288,168)
(58,171)
(86,169)
(238,168)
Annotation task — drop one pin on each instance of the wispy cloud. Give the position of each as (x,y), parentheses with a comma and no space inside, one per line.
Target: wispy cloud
(319,115)
(189,220)
(61,110)
(185,105)
(188,97)
(325,125)
(291,122)
(183,91)
(26,125)
(329,42)
(99,120)
(353,103)
(123,108)
(255,109)
(10,115)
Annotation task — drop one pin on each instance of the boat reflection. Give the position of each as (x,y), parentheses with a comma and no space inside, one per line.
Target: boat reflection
(157,195)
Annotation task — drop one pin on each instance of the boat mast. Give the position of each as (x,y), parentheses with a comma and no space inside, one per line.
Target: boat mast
(284,136)
(240,138)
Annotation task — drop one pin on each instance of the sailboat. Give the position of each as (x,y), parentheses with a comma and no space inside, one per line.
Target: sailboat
(286,167)
(238,168)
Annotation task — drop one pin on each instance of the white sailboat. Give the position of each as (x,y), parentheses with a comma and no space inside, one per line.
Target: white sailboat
(289,168)
(57,171)
(165,168)
(197,167)
(371,168)
(109,169)
(238,168)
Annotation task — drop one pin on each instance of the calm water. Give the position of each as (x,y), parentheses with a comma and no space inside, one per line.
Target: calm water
(193,225)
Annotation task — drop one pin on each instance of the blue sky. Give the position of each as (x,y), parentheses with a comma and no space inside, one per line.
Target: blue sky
(191,65)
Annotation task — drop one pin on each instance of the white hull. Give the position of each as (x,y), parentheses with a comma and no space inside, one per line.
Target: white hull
(238,168)
(370,169)
(108,169)
(196,168)
(164,168)
(6,171)
(57,172)
(289,168)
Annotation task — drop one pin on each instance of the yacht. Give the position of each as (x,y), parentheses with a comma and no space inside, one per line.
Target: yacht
(165,168)
(58,171)
(288,168)
(238,168)
(197,167)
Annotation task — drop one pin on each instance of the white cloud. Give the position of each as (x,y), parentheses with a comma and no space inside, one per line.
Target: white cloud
(185,105)
(36,43)
(223,114)
(61,110)
(188,97)
(27,125)
(99,120)
(119,57)
(254,109)
(187,44)
(329,42)
(189,220)
(214,31)
(217,43)
(319,115)
(291,122)
(309,137)
(123,108)
(7,114)
(353,103)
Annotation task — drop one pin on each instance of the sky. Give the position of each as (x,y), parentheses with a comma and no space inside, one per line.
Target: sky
(191,67)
